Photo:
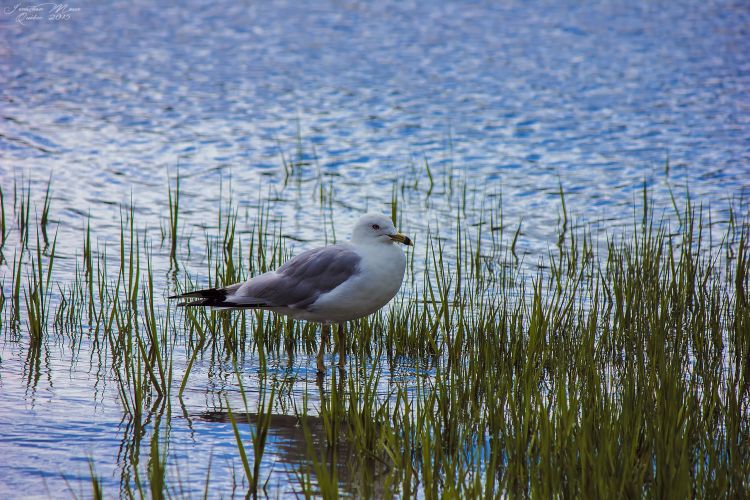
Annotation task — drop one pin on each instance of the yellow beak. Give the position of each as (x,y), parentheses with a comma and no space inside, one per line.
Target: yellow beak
(401,238)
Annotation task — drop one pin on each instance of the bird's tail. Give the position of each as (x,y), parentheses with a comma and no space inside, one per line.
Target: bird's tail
(208,297)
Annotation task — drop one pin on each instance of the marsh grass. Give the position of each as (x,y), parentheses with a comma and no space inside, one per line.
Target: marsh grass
(618,368)
(258,437)
(174,212)
(3,227)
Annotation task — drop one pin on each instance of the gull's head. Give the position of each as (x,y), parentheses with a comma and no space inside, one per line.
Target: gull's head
(371,229)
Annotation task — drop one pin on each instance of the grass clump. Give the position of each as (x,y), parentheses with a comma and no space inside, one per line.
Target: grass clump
(618,367)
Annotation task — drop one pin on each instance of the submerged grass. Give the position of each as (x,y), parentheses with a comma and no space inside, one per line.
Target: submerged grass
(619,368)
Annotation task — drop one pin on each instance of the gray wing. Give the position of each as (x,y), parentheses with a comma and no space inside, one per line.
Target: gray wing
(301,280)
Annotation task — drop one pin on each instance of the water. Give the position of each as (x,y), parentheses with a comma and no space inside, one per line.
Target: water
(516,99)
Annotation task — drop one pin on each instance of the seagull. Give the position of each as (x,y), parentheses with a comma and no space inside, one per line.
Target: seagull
(331,284)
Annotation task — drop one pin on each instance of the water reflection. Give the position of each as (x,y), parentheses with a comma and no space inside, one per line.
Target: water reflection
(297,436)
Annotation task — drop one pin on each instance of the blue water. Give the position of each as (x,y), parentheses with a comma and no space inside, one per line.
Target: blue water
(516,98)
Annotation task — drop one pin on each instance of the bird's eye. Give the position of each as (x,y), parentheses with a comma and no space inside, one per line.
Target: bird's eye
(376,227)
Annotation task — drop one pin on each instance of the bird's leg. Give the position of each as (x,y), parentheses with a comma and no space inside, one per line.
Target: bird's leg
(327,332)
(342,346)
(324,334)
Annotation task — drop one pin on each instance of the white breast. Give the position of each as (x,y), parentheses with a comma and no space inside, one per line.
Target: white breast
(381,272)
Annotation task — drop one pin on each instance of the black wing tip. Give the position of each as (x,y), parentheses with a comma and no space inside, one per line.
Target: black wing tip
(219,304)
(206,293)
(211,297)
(195,303)
(205,302)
